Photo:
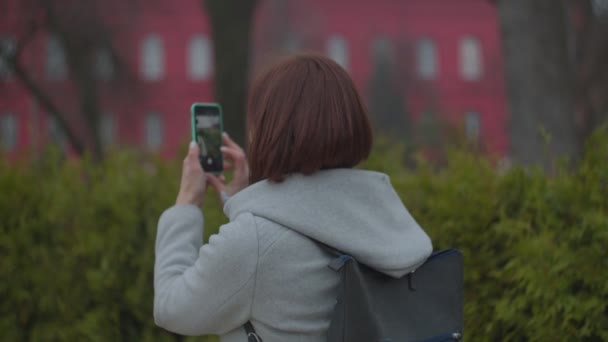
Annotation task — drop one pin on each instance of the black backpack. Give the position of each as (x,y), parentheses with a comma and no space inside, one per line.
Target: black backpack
(423,306)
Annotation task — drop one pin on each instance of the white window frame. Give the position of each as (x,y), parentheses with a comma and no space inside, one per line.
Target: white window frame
(471,58)
(153,130)
(152,58)
(337,49)
(200,58)
(56,68)
(9,131)
(472,125)
(427,59)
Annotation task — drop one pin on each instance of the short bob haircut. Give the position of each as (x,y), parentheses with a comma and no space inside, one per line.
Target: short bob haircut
(305,115)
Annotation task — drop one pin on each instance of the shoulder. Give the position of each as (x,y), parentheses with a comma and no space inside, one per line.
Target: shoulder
(267,232)
(243,228)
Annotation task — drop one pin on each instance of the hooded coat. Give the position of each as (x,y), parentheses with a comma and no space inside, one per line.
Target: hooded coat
(262,267)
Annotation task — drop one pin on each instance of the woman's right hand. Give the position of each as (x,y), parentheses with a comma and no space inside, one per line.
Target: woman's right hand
(234,156)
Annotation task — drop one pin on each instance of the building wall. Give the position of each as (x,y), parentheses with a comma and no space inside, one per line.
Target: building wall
(287,25)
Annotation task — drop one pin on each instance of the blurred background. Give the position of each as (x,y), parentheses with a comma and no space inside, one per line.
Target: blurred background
(489,117)
(505,75)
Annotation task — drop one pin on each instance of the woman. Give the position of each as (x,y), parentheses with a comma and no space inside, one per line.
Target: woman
(307,130)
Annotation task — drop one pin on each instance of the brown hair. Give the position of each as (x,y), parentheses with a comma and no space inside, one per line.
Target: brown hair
(304,115)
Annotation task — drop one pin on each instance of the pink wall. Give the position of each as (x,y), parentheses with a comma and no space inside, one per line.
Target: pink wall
(445,22)
(360,22)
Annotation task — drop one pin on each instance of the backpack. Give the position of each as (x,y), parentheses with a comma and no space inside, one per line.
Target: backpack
(423,306)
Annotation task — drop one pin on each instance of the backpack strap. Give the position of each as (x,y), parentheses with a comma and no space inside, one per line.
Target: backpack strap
(340,257)
(327,248)
(252,336)
(336,264)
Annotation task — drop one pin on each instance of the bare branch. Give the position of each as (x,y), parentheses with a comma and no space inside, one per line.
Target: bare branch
(13,61)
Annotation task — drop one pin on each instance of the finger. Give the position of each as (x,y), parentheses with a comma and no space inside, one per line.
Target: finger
(227,165)
(235,155)
(222,178)
(193,150)
(229,142)
(216,182)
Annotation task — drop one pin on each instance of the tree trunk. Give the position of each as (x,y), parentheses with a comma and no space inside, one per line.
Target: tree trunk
(45,102)
(86,86)
(592,83)
(82,31)
(386,103)
(540,82)
(231,26)
(80,48)
(89,107)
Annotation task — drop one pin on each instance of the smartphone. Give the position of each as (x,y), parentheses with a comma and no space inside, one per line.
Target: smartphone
(207,128)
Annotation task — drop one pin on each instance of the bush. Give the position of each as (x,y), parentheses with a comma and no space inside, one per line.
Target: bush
(77,247)
(77,244)
(534,246)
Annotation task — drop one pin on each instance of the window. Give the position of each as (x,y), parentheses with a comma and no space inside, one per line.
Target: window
(382,50)
(56,133)
(8,131)
(154,130)
(471,66)
(199,58)
(600,7)
(7,47)
(426,59)
(472,125)
(152,58)
(104,66)
(337,49)
(291,43)
(429,127)
(106,129)
(56,68)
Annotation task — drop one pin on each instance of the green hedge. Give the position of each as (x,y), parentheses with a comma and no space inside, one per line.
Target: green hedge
(77,239)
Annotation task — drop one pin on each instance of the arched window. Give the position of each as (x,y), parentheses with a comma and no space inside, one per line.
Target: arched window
(7,45)
(291,42)
(56,132)
(153,130)
(382,50)
(337,49)
(56,68)
(600,7)
(8,131)
(107,129)
(199,58)
(472,125)
(471,65)
(152,58)
(104,66)
(426,59)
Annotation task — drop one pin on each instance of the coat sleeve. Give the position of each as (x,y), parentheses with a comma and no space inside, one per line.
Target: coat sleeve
(203,289)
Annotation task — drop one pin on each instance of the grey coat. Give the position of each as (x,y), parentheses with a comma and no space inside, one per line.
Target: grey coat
(261,266)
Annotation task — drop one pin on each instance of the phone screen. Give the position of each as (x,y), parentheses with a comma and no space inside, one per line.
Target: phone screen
(207,122)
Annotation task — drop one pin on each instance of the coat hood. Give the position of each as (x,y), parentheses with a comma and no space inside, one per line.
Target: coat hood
(355,211)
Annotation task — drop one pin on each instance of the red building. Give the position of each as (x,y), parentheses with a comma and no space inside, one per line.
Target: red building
(444,54)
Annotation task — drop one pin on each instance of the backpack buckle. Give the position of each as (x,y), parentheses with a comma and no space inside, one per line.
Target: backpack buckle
(337,263)
(410,281)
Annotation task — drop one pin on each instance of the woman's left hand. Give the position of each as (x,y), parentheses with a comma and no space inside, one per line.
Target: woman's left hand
(194,180)
(234,156)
